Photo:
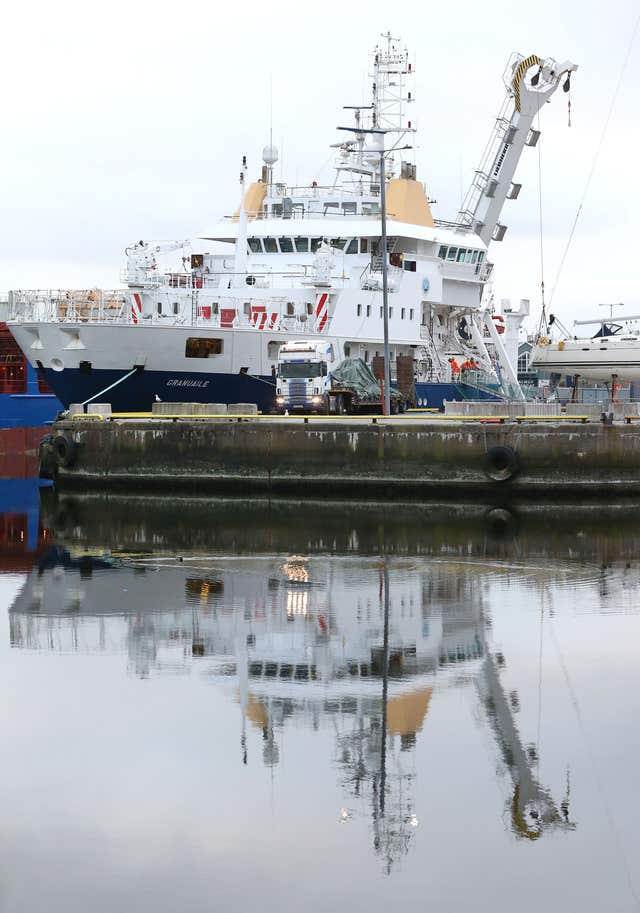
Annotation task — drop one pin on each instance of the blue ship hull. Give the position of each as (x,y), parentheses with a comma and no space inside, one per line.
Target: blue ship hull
(24,410)
(139,391)
(433,395)
(23,404)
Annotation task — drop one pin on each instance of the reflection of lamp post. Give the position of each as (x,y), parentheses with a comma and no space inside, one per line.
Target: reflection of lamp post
(385,684)
(378,136)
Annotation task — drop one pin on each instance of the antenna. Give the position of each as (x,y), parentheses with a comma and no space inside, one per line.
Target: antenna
(271,110)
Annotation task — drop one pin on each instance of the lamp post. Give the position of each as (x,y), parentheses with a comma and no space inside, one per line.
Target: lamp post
(385,288)
(379,136)
(611,306)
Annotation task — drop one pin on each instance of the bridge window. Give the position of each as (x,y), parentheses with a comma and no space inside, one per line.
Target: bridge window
(315,244)
(255,245)
(338,243)
(270,246)
(442,253)
(461,255)
(302,245)
(364,245)
(352,247)
(286,245)
(452,253)
(198,347)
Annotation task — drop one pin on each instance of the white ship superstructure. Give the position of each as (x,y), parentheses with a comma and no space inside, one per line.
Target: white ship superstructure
(306,262)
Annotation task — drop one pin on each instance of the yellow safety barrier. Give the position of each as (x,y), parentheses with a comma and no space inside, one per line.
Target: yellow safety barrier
(552,418)
(473,418)
(242,417)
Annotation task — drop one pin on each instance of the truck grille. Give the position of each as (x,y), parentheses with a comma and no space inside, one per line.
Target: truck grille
(297,392)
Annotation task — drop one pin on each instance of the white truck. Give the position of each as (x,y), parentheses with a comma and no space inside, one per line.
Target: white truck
(309,378)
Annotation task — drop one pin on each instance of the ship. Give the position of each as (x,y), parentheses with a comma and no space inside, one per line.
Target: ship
(309,262)
(26,399)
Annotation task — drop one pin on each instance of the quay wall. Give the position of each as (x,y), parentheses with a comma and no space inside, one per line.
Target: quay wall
(388,458)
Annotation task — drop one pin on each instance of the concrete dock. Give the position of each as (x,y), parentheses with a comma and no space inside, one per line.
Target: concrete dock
(418,456)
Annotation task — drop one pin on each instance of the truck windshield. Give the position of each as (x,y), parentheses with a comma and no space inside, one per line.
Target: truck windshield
(302,369)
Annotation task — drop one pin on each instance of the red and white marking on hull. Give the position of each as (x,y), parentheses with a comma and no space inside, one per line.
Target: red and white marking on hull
(322,312)
(136,307)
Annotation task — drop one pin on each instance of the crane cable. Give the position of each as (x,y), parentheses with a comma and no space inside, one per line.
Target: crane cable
(595,159)
(543,315)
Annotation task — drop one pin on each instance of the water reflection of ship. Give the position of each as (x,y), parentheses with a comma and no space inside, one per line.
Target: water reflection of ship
(22,536)
(300,640)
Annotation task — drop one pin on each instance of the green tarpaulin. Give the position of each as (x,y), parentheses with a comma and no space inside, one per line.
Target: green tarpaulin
(355,374)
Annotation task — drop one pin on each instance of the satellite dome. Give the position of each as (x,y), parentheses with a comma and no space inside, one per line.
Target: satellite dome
(270,155)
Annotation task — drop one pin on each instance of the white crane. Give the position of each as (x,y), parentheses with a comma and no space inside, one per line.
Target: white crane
(493,180)
(142,263)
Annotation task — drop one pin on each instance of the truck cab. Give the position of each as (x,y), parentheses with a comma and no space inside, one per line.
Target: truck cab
(303,376)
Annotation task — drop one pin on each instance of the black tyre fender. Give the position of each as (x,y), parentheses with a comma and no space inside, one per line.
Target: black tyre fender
(64,450)
(501,525)
(501,463)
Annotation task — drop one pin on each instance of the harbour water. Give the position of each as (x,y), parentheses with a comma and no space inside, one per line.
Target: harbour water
(233,705)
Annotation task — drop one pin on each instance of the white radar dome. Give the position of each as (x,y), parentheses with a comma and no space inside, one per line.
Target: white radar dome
(270,155)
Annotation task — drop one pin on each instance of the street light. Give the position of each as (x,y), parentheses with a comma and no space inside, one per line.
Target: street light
(379,135)
(606,304)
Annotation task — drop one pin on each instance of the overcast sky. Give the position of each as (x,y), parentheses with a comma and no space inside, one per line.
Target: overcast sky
(127,120)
